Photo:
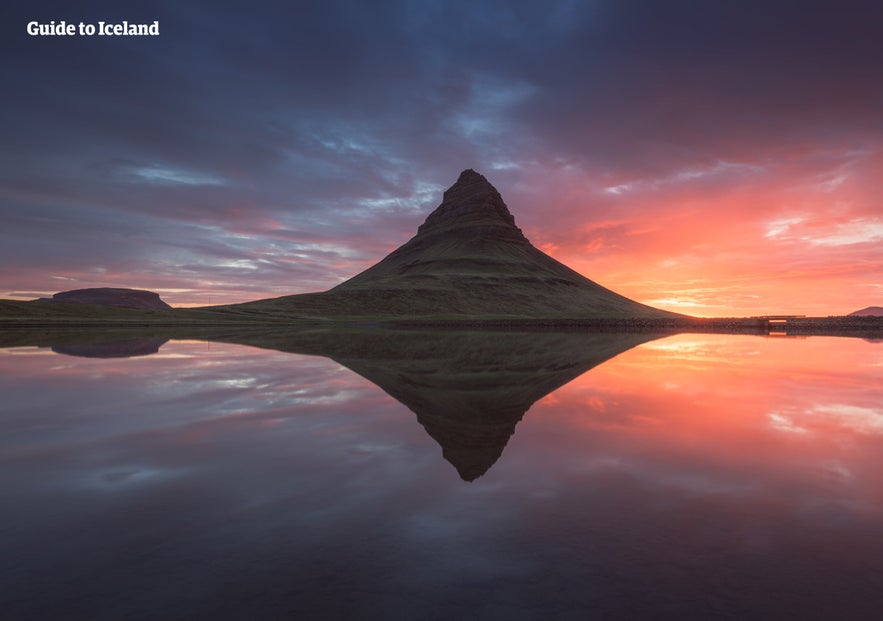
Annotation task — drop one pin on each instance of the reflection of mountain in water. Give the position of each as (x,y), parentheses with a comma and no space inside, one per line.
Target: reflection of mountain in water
(115,349)
(473,389)
(468,389)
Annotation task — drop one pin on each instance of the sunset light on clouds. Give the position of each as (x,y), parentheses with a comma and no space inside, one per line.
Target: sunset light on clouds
(713,158)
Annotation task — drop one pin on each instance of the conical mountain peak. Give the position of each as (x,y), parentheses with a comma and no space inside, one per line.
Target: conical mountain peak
(472,203)
(469,259)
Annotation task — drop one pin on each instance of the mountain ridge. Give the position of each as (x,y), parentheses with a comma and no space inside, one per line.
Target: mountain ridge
(870,311)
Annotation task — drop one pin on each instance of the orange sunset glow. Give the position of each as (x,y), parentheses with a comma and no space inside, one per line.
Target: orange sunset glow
(732,239)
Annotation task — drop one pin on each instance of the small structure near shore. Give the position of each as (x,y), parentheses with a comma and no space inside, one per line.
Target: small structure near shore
(776,321)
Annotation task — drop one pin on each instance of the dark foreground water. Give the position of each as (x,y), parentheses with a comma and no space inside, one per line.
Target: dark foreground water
(687,477)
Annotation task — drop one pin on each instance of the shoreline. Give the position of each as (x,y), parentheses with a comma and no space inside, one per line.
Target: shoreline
(868,327)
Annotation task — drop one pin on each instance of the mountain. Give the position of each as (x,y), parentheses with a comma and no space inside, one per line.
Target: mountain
(107,296)
(467,259)
(871,311)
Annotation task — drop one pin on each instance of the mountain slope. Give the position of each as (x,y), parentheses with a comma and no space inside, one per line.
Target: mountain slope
(870,311)
(467,259)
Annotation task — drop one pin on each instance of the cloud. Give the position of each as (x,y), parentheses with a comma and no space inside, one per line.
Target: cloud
(171,176)
(858,231)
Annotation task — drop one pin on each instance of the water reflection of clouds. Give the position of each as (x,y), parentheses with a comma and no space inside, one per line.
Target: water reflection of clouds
(29,351)
(734,424)
(828,419)
(267,476)
(186,382)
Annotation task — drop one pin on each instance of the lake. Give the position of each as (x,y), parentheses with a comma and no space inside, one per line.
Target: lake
(443,476)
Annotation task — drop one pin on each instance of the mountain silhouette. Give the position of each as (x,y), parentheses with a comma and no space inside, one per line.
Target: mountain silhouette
(467,259)
(111,296)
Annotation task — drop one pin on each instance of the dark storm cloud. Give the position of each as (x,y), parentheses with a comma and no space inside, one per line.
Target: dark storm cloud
(656,82)
(248,92)
(332,119)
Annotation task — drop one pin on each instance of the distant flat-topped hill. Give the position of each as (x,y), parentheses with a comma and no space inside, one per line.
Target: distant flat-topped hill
(467,259)
(871,311)
(108,296)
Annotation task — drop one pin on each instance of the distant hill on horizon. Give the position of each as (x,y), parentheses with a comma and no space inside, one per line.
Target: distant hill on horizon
(468,259)
(112,296)
(870,311)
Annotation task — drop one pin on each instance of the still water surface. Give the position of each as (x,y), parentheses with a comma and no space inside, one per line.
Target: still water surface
(687,477)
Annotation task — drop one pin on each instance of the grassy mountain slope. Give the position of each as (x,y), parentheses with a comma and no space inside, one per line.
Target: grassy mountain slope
(468,259)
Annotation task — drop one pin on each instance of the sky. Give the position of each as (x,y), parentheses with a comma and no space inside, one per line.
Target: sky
(711,158)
